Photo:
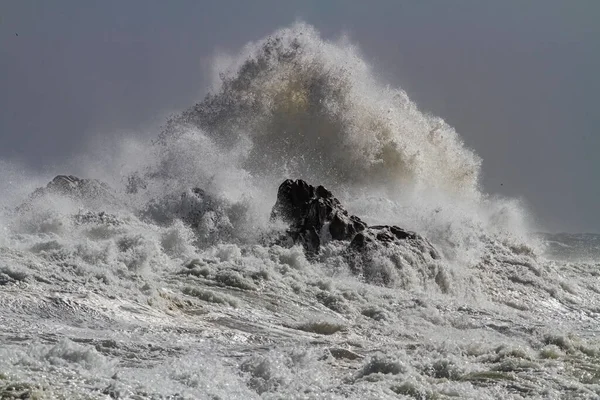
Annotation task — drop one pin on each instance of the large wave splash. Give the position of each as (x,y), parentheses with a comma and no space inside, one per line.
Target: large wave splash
(314,109)
(294,105)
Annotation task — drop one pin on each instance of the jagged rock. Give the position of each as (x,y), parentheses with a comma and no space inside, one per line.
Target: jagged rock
(314,214)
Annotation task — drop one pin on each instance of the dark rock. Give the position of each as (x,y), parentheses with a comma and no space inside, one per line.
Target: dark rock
(312,213)
(315,216)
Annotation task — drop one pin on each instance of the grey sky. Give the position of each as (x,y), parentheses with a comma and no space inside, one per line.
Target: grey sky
(517,79)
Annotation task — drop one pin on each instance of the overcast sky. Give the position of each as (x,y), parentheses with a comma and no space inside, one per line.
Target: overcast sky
(519,80)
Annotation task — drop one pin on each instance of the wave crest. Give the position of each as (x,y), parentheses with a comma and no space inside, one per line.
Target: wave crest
(315,110)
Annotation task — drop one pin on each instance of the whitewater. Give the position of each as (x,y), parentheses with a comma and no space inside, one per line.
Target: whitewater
(159,274)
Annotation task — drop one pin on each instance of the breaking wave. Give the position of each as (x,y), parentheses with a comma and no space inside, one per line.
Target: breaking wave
(295,105)
(314,109)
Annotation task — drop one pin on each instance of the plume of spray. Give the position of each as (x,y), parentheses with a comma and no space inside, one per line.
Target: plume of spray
(296,106)
(314,108)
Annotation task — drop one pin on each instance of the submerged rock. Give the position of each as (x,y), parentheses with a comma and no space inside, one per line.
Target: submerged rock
(92,193)
(386,235)
(73,186)
(196,206)
(315,216)
(211,218)
(389,255)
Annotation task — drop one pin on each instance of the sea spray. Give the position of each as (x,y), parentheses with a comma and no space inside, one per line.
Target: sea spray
(295,105)
(176,285)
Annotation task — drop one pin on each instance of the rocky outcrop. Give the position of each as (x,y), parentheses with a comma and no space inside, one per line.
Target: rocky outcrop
(315,216)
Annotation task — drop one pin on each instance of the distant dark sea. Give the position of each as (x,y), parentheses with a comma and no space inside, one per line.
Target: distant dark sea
(572,246)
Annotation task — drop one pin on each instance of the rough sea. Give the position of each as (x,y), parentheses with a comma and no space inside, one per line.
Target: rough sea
(107,293)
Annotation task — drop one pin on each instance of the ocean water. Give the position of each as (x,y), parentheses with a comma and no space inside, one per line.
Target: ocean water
(108,292)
